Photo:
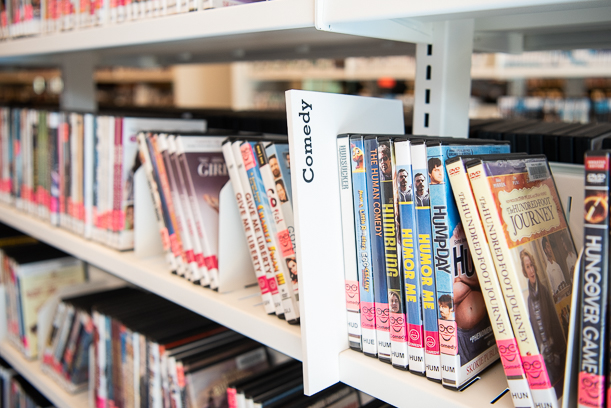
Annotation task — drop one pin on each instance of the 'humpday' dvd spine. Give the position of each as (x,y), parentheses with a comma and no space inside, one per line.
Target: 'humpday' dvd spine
(410,257)
(254,251)
(427,267)
(593,346)
(488,280)
(251,204)
(392,255)
(363,248)
(353,306)
(378,266)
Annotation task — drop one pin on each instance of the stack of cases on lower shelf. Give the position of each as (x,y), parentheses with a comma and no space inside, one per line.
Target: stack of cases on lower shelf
(31,274)
(76,170)
(282,386)
(151,352)
(259,173)
(397,190)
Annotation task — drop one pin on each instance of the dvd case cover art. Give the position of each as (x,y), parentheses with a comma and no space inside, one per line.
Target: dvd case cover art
(432,358)
(250,155)
(489,283)
(280,161)
(465,335)
(363,248)
(254,251)
(593,339)
(392,255)
(373,188)
(287,278)
(258,227)
(410,256)
(525,226)
(205,173)
(351,278)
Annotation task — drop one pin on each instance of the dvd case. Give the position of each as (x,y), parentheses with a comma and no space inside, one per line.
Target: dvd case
(349,234)
(525,225)
(363,247)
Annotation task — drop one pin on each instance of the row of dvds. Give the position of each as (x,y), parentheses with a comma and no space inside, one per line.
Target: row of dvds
(17,392)
(76,170)
(560,142)
(31,273)
(149,352)
(413,296)
(26,17)
(259,170)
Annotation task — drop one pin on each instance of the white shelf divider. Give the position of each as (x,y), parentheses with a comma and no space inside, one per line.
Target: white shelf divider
(32,372)
(240,310)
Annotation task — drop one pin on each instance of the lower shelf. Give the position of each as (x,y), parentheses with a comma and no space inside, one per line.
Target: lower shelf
(240,310)
(32,372)
(404,389)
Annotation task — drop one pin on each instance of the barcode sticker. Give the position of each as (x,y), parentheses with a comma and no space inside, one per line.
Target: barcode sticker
(537,171)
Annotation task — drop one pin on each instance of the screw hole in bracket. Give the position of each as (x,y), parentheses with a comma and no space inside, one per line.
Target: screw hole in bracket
(426,120)
(427,96)
(428,72)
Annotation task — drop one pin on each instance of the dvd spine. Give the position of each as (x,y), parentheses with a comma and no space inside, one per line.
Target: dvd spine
(427,267)
(410,258)
(378,266)
(543,392)
(353,304)
(446,268)
(493,297)
(363,248)
(116,191)
(394,271)
(593,348)
(53,126)
(279,234)
(263,209)
(88,173)
(255,255)
(257,227)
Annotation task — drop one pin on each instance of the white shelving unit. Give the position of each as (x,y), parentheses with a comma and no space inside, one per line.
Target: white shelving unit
(305,29)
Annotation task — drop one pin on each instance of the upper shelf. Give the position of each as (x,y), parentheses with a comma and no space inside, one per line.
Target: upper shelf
(265,30)
(500,25)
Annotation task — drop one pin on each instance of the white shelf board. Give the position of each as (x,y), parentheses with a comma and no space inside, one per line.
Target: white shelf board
(32,372)
(264,30)
(240,310)
(538,24)
(403,389)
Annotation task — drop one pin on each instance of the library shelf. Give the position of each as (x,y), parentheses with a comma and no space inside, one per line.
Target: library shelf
(401,388)
(240,310)
(264,30)
(32,372)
